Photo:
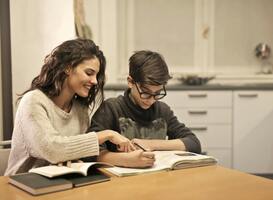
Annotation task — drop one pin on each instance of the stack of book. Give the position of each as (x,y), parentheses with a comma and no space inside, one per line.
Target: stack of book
(54,178)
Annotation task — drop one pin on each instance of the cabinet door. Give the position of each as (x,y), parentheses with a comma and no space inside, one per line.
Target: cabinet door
(222,155)
(213,136)
(253,131)
(237,28)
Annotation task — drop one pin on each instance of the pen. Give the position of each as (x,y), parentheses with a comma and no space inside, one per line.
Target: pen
(139,146)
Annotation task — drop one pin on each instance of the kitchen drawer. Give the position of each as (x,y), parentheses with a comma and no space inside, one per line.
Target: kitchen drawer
(222,155)
(204,115)
(182,99)
(212,136)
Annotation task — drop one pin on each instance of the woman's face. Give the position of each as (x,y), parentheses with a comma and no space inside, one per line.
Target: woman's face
(83,77)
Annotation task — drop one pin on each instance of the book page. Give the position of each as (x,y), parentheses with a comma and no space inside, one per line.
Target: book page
(83,167)
(183,159)
(161,163)
(124,171)
(53,170)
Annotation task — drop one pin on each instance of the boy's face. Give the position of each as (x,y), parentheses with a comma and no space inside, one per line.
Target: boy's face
(147,91)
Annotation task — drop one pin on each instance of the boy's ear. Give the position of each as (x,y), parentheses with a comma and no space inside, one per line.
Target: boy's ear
(130,81)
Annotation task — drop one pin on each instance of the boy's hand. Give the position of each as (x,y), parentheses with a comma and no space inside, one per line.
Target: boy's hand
(140,159)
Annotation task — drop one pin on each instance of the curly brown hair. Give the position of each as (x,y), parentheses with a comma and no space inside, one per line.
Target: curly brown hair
(69,54)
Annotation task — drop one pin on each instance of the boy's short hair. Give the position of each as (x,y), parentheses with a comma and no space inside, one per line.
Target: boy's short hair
(148,67)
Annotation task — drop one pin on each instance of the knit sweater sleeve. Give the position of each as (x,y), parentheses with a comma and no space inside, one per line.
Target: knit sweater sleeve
(42,140)
(178,130)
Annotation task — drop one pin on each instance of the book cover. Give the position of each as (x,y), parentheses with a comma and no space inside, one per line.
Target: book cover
(167,160)
(36,184)
(94,176)
(54,170)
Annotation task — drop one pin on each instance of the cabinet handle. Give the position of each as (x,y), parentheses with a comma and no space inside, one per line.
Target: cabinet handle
(197,112)
(248,95)
(197,95)
(201,128)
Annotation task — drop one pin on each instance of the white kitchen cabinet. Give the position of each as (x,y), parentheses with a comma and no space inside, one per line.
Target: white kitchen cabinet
(253,131)
(209,115)
(238,26)
(173,23)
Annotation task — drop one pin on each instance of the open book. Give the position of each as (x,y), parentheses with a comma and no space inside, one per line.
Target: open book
(167,160)
(54,170)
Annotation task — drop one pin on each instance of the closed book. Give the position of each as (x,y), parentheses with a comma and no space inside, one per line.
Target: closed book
(94,176)
(36,184)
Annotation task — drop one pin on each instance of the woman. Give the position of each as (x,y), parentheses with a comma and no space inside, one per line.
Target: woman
(54,113)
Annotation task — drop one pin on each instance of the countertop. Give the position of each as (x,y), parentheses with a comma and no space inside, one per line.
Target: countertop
(214,86)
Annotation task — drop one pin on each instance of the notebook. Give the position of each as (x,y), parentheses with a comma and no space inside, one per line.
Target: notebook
(167,160)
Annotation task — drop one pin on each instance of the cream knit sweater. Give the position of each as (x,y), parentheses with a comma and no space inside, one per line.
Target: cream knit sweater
(43,133)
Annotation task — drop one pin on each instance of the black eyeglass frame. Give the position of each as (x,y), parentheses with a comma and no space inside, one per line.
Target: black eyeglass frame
(147,95)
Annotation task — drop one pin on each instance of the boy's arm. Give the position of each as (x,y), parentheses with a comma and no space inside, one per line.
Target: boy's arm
(154,144)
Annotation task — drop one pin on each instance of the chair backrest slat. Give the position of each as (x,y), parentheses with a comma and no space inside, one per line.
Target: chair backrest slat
(4,156)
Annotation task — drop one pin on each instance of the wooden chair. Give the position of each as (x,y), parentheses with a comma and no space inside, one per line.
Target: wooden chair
(4,156)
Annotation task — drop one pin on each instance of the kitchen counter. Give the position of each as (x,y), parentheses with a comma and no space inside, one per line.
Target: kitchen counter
(215,86)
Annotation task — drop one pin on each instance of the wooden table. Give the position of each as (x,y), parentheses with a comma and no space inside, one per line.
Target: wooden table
(212,182)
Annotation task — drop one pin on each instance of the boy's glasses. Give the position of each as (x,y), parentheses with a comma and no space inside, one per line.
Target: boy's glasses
(147,95)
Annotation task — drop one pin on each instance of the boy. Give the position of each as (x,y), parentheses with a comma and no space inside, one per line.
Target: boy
(139,116)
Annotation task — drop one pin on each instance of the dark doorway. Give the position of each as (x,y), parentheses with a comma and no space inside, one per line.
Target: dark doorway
(5,65)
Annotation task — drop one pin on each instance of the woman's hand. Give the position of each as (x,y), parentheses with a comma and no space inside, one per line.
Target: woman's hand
(142,144)
(123,143)
(68,163)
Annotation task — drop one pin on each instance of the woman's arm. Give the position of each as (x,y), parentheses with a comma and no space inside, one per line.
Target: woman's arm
(35,121)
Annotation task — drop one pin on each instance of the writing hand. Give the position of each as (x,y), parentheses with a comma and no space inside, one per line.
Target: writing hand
(140,159)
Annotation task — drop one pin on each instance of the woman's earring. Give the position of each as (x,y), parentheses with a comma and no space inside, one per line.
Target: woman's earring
(66,71)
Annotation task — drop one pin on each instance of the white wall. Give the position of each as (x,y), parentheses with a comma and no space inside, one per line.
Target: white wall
(37,26)
(101,16)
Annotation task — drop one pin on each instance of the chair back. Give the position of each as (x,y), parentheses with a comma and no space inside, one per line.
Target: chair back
(4,156)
